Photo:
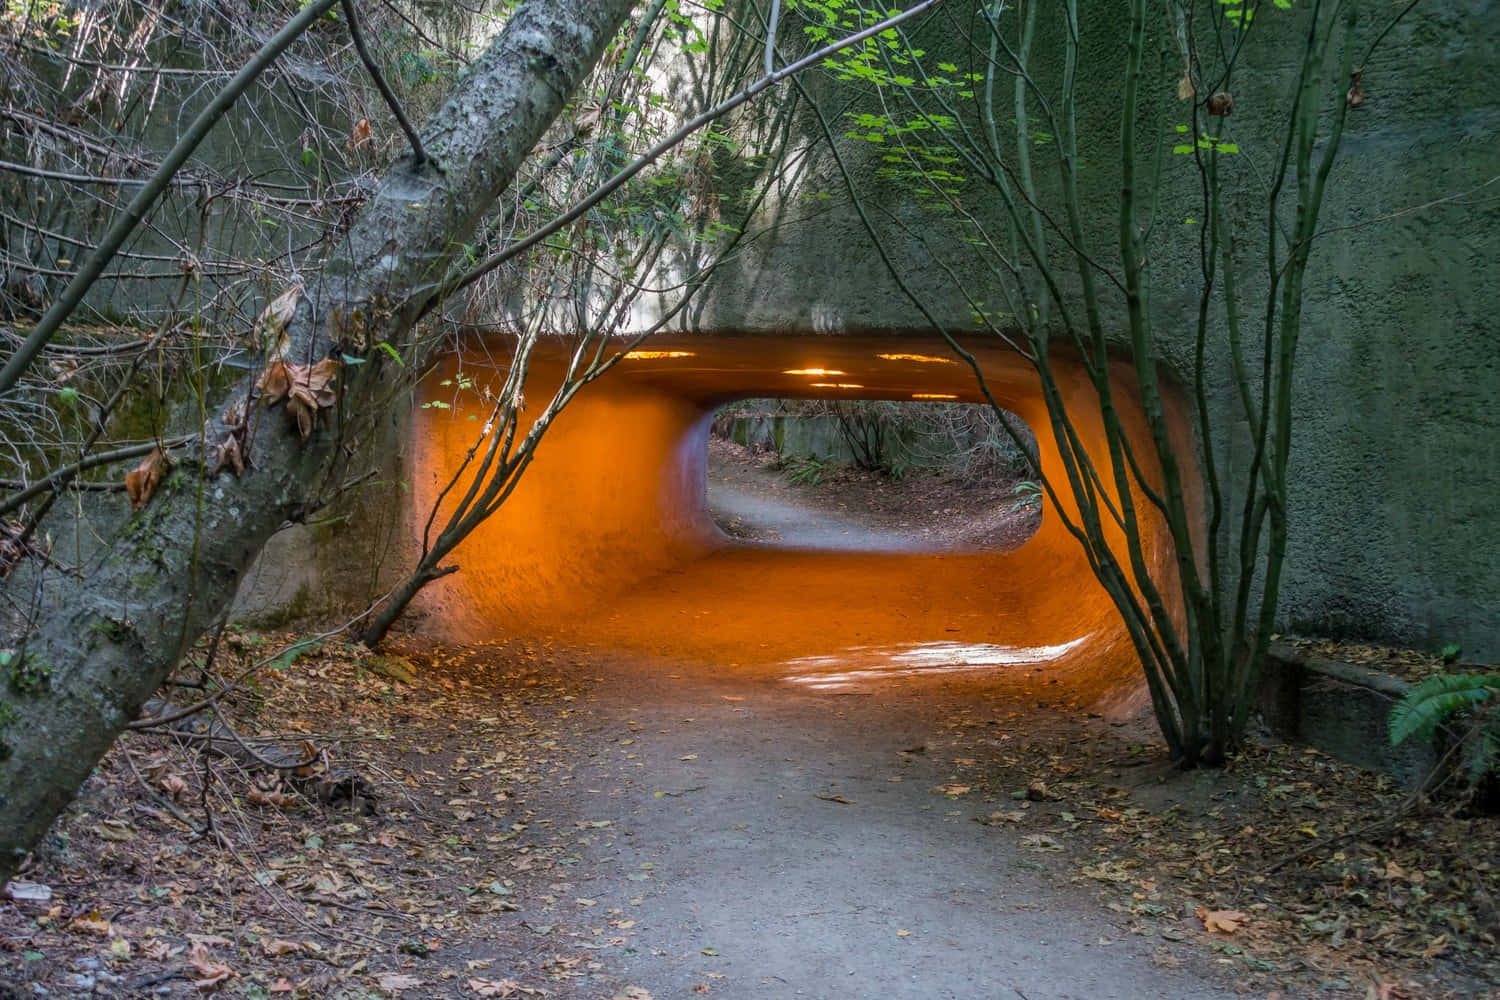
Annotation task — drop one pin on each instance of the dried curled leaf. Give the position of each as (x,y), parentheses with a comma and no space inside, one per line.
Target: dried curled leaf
(307,389)
(266,790)
(91,923)
(361,134)
(1221,921)
(1186,91)
(276,382)
(142,481)
(271,325)
(275,947)
(212,974)
(228,453)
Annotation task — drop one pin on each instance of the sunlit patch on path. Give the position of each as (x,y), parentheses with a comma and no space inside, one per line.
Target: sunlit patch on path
(862,666)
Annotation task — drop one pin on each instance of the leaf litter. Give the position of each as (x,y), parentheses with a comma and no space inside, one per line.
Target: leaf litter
(177,874)
(1289,866)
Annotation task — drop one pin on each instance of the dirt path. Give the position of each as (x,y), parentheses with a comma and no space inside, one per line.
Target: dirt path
(850,510)
(754,515)
(766,842)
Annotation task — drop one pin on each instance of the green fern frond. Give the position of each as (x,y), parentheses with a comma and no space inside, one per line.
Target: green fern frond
(1436,700)
(1483,754)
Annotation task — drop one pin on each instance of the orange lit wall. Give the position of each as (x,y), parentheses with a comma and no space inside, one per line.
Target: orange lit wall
(607,539)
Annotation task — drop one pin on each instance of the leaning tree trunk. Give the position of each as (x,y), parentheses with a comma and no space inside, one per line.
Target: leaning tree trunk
(104,643)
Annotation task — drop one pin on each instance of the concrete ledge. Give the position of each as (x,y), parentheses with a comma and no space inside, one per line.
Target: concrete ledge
(1340,708)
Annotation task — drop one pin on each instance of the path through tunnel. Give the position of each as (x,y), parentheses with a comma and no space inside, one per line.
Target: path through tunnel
(608,540)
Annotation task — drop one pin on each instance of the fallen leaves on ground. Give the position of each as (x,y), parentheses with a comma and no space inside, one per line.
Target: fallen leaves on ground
(301,899)
(211,972)
(1290,864)
(1222,921)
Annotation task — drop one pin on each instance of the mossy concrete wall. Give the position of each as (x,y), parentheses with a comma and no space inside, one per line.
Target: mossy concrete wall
(1396,464)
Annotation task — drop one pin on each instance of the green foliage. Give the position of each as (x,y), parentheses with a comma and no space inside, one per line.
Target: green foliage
(1460,703)
(294,652)
(1437,700)
(1028,494)
(38,20)
(1204,142)
(24,674)
(8,716)
(867,430)
(1451,652)
(804,470)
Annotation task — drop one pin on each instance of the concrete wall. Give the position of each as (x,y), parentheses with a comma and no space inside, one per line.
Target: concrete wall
(1396,464)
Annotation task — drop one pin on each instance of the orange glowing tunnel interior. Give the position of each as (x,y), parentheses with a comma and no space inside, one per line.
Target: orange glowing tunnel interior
(607,539)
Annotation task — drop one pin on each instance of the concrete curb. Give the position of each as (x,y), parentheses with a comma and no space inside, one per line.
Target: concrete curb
(1340,708)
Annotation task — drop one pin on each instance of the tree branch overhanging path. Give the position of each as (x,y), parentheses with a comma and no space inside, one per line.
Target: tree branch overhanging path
(110,637)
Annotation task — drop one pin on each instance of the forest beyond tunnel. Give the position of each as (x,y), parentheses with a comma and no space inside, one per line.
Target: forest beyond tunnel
(608,539)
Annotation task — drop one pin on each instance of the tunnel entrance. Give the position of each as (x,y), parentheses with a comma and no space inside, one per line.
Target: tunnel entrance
(872,475)
(609,539)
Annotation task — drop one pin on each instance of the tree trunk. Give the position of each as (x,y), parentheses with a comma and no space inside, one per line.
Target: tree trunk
(104,643)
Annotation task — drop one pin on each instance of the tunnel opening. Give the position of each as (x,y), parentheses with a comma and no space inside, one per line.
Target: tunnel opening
(872,475)
(609,540)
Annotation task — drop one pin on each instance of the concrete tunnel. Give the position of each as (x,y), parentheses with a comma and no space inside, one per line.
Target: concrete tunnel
(607,539)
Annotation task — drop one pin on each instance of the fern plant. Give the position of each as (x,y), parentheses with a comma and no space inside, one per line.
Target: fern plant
(1444,698)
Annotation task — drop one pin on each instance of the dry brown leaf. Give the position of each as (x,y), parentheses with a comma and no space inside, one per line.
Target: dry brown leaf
(307,389)
(173,785)
(142,481)
(229,453)
(303,414)
(271,325)
(361,134)
(276,382)
(211,974)
(495,987)
(954,789)
(1185,88)
(274,947)
(1222,921)
(395,982)
(91,923)
(265,791)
